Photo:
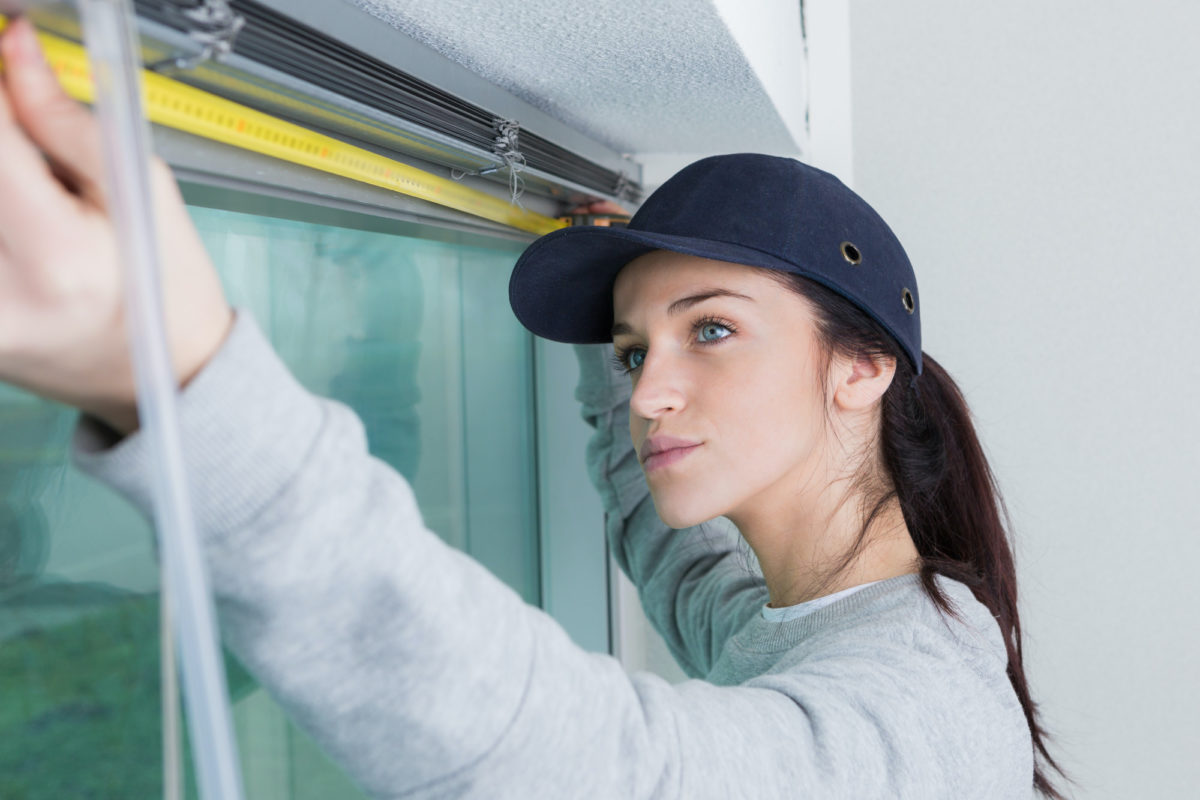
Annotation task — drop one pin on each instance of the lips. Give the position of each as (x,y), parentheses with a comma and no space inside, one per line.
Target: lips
(659,451)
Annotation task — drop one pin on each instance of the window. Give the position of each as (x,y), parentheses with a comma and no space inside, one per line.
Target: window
(413,330)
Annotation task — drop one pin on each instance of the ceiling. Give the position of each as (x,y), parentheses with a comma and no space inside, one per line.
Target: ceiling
(642,76)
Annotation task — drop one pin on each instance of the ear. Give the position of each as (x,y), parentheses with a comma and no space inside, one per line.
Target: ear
(860,382)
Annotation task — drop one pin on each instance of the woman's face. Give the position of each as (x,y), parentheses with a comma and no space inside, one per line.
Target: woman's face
(724,364)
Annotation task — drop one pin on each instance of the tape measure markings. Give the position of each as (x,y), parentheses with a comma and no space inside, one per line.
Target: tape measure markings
(178,105)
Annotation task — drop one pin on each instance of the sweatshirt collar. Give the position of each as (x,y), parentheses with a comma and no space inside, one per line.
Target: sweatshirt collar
(768,636)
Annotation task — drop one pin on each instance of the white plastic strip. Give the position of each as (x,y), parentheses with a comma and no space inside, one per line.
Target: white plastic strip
(112,49)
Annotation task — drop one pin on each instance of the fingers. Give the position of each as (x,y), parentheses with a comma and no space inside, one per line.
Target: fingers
(58,125)
(30,197)
(599,207)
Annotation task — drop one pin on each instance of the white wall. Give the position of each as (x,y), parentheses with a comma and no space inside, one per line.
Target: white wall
(1040,163)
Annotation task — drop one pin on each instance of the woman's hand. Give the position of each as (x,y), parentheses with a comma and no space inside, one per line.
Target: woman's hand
(62,322)
(599,207)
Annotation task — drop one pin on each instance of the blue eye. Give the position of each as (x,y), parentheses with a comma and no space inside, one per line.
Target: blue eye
(708,330)
(627,361)
(712,331)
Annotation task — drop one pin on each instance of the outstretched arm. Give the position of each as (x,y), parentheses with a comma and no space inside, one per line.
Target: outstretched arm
(422,673)
(691,582)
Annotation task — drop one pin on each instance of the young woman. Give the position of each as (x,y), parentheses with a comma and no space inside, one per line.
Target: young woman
(770,326)
(770,323)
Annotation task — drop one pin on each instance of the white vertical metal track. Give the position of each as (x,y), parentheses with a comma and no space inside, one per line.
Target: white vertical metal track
(111,41)
(827,34)
(572,549)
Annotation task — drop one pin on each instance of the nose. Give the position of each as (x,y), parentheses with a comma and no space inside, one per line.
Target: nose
(658,387)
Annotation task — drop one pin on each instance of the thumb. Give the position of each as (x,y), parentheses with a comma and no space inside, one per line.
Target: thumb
(60,127)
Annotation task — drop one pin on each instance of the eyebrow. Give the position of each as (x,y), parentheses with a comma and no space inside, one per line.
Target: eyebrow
(684,303)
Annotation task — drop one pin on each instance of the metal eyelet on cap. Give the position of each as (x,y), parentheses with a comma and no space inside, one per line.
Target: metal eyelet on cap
(907,298)
(851,253)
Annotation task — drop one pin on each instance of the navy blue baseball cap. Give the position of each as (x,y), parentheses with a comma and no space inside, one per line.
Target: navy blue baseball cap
(745,208)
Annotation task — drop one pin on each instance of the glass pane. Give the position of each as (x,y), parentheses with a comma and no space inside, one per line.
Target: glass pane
(79,674)
(416,335)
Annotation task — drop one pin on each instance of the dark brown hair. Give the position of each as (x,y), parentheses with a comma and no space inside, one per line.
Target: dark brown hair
(934,465)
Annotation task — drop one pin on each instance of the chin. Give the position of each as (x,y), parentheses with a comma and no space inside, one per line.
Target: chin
(682,511)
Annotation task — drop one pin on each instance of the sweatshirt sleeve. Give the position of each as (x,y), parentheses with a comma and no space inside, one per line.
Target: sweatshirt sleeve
(692,583)
(415,668)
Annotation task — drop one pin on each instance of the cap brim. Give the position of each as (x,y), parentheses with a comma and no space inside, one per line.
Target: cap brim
(561,287)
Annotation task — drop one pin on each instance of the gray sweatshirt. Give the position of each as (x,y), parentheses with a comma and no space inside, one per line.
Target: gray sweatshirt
(425,676)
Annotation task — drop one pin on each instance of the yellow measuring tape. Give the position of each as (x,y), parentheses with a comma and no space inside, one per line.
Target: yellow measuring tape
(186,108)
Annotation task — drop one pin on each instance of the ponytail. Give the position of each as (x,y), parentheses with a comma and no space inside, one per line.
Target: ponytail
(937,470)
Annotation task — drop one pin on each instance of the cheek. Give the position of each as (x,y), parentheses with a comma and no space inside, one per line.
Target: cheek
(767,427)
(762,425)
(768,422)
